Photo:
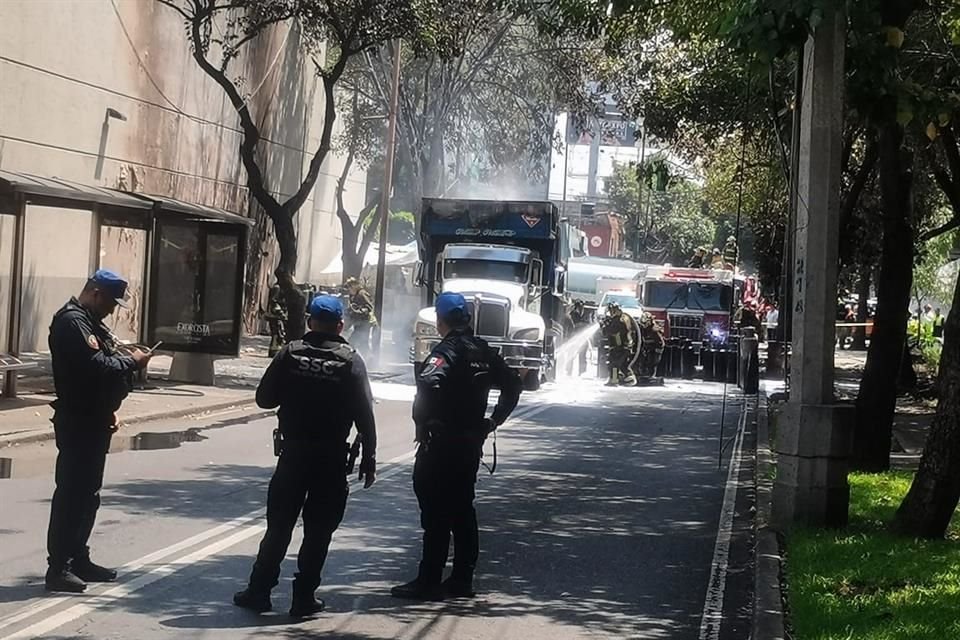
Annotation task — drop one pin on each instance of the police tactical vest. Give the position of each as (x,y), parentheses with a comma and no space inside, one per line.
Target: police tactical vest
(317,404)
(468,386)
(77,393)
(320,364)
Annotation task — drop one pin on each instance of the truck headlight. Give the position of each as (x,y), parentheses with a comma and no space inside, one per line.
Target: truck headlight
(532,333)
(426,330)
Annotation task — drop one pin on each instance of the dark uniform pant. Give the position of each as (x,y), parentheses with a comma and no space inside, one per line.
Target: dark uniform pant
(444,479)
(317,486)
(81,458)
(360,336)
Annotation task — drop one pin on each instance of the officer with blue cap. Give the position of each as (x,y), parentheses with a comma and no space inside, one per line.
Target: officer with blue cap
(321,387)
(450,416)
(92,378)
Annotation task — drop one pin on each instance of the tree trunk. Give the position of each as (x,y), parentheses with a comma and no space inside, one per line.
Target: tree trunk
(876,401)
(433,170)
(352,258)
(933,496)
(863,295)
(286,266)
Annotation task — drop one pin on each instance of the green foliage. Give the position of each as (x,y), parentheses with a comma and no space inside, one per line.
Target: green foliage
(863,583)
(401,228)
(920,332)
(764,203)
(769,29)
(927,280)
(666,212)
(482,109)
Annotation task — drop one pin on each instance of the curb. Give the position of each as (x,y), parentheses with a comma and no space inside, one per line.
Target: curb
(768,618)
(47,434)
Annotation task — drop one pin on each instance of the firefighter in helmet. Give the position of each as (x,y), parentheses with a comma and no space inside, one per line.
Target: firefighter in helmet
(361,315)
(619,332)
(651,346)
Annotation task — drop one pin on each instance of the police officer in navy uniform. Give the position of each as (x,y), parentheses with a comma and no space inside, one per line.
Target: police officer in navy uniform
(449,413)
(91,378)
(321,388)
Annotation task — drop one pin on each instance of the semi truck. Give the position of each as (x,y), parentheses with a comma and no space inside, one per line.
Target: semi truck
(509,260)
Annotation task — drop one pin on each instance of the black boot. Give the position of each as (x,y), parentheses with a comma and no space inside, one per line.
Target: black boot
(418,590)
(305,602)
(458,587)
(63,580)
(89,571)
(252,600)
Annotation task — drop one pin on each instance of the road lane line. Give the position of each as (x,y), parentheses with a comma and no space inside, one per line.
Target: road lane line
(713,604)
(122,590)
(392,467)
(133,565)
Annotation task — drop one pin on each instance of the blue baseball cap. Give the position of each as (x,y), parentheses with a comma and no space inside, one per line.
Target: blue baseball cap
(111,284)
(326,307)
(451,306)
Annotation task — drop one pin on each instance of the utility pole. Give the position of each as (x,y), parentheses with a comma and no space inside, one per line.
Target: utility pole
(814,434)
(594,160)
(643,158)
(385,201)
(566,157)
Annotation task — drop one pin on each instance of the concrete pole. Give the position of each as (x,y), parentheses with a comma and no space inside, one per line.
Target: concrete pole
(566,159)
(814,434)
(594,165)
(385,202)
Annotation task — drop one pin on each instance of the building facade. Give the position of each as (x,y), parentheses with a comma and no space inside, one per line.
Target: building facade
(107,93)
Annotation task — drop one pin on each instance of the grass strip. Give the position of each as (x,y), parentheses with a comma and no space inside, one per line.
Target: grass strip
(864,583)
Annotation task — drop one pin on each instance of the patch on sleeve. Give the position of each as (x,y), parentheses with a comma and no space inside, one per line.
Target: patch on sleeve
(93,343)
(432,364)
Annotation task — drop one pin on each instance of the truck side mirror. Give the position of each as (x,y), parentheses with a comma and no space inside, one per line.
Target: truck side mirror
(418,277)
(560,280)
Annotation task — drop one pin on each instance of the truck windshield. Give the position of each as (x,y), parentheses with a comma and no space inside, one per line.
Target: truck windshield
(485,270)
(696,296)
(661,295)
(625,300)
(710,297)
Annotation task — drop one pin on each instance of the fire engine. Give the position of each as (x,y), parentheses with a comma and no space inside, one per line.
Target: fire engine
(691,304)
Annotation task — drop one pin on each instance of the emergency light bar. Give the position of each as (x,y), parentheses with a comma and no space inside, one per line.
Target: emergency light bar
(689,273)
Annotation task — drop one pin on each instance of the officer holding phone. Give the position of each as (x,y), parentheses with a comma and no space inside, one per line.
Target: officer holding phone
(321,388)
(91,378)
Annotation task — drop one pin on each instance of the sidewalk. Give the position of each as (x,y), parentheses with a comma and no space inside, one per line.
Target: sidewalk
(27,418)
(913,416)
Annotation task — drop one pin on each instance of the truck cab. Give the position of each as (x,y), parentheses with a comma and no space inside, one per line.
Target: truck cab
(691,304)
(513,283)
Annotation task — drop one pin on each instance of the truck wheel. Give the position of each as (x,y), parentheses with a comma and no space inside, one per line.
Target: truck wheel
(531,382)
(417,368)
(550,375)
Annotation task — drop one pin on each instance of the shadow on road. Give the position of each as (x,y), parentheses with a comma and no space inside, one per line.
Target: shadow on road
(601,519)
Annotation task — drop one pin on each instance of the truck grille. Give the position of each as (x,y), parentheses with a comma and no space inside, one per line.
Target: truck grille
(685,327)
(491,316)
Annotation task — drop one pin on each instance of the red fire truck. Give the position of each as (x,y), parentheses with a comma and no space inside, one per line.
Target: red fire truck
(691,304)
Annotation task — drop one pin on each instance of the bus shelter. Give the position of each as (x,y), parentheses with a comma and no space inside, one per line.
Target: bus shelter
(185,263)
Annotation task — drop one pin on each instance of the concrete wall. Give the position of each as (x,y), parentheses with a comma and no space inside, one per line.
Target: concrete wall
(52,271)
(63,63)
(119,251)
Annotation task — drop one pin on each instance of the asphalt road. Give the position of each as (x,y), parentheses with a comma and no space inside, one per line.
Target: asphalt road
(607,517)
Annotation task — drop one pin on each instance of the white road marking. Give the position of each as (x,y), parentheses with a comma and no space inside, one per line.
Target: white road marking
(133,565)
(122,590)
(95,601)
(713,605)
